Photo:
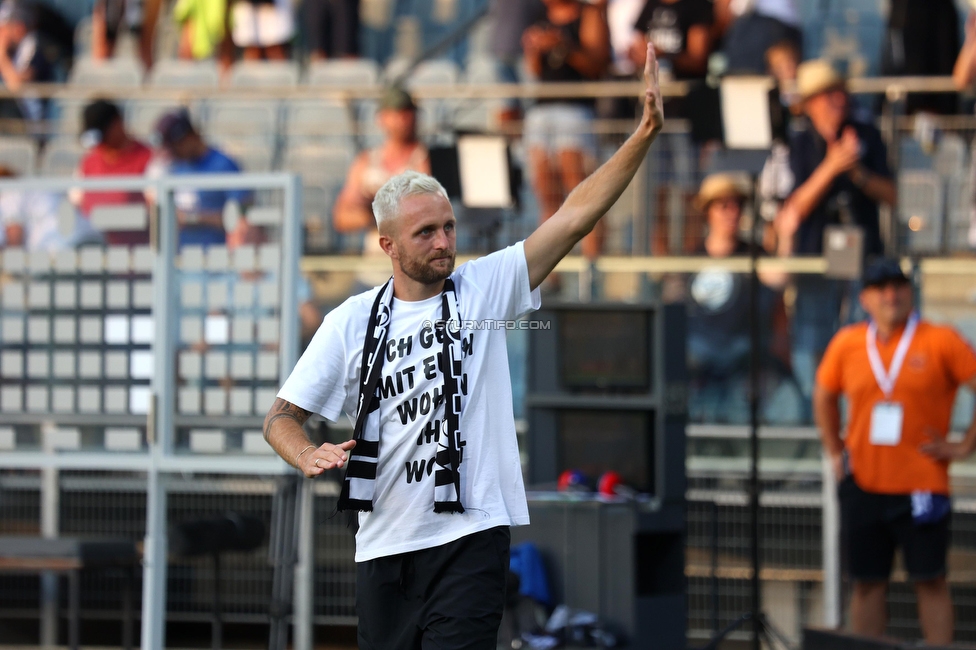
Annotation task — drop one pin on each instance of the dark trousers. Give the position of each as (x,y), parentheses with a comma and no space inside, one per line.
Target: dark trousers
(448,597)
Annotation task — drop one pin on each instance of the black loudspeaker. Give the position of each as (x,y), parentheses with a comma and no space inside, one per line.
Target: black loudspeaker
(607,391)
(814,639)
(231,531)
(607,387)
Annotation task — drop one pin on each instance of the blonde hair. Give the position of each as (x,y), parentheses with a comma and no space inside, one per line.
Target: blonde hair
(386,203)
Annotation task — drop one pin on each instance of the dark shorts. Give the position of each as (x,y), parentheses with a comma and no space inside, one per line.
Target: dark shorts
(874,525)
(332,27)
(446,597)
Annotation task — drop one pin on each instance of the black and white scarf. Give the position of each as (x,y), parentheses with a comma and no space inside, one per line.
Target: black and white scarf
(360,479)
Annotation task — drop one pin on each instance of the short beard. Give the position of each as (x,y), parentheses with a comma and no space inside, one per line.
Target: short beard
(423,273)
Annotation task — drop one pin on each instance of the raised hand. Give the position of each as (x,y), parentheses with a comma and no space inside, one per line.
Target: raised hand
(653,117)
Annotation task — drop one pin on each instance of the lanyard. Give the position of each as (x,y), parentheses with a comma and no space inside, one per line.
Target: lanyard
(886,380)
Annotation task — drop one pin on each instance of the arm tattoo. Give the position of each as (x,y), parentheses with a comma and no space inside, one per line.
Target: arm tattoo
(283,409)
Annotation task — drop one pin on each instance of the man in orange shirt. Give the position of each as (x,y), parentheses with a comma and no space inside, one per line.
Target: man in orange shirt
(900,376)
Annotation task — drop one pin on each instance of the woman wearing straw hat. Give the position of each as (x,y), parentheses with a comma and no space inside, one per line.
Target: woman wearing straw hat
(718,306)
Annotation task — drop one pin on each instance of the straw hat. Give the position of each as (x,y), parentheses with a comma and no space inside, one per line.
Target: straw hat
(719,186)
(815,77)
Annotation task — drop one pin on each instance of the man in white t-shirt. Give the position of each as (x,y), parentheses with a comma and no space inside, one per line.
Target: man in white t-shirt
(420,366)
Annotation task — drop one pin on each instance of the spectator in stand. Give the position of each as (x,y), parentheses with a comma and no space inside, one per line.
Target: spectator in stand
(680,31)
(113,152)
(262,28)
(111,17)
(399,152)
(509,19)
(571,44)
(900,376)
(840,168)
(922,39)
(750,28)
(22,60)
(204,31)
(332,28)
(29,219)
(200,213)
(718,309)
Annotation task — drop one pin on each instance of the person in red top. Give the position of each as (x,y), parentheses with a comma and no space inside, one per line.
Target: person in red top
(115,153)
(900,376)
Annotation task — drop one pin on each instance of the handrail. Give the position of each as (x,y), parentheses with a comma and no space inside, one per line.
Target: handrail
(462,90)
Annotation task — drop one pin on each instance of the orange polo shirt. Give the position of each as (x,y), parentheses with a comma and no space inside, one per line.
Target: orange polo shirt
(939,359)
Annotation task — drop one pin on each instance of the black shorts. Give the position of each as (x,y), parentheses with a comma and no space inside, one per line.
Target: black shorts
(874,525)
(448,597)
(332,27)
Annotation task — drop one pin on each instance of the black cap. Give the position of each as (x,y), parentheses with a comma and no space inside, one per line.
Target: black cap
(882,272)
(99,115)
(173,127)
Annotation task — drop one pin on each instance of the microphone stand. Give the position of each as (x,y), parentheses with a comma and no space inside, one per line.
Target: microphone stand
(762,629)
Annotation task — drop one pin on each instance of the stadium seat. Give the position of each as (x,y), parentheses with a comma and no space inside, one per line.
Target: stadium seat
(959,212)
(316,119)
(481,70)
(343,73)
(323,170)
(394,70)
(950,155)
(69,119)
(921,210)
(61,157)
(256,120)
(264,74)
(318,163)
(184,74)
(911,155)
(252,156)
(111,73)
(479,114)
(434,72)
(19,154)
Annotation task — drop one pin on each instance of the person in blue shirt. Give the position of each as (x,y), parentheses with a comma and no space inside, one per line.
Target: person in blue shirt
(199,212)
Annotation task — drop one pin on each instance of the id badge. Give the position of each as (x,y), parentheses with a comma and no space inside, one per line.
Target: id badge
(886,420)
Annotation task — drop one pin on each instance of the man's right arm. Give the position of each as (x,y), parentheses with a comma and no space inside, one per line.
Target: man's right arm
(283,431)
(826,413)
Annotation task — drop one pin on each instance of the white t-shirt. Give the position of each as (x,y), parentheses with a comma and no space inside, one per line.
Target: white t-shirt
(326,381)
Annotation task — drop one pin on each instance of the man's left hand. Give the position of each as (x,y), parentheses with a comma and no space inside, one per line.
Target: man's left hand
(941,449)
